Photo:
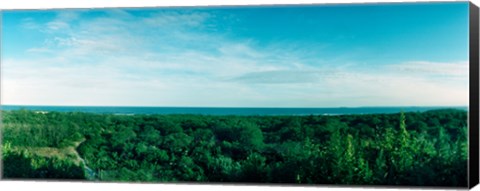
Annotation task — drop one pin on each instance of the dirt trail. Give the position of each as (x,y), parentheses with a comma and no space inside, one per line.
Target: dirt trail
(90,174)
(69,152)
(73,149)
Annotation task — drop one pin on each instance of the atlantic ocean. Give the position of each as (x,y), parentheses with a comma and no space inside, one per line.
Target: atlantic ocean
(131,110)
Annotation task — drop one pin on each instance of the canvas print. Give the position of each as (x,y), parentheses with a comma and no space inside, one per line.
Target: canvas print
(355,94)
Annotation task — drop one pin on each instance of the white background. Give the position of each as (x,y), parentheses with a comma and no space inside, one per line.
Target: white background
(74,186)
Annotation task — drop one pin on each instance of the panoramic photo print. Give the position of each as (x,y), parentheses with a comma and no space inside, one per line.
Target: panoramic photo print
(358,94)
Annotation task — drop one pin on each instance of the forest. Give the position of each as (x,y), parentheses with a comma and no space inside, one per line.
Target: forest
(411,149)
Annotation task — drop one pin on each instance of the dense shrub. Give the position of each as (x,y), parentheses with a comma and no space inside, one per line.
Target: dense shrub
(421,149)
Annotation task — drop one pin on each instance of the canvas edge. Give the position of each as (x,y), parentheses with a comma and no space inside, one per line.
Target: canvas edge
(473,120)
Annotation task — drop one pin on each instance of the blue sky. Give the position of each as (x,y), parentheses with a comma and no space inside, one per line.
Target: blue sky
(297,56)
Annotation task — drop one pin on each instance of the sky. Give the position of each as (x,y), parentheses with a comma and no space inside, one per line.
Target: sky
(409,54)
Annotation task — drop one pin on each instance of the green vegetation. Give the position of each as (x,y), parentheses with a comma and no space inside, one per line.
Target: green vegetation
(19,163)
(421,149)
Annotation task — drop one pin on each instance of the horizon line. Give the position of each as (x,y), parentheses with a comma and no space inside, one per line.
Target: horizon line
(246,107)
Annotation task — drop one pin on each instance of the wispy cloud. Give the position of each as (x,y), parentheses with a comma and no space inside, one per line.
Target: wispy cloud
(450,71)
(171,58)
(285,76)
(29,23)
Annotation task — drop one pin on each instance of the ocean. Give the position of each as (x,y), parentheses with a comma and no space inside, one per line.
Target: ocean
(122,110)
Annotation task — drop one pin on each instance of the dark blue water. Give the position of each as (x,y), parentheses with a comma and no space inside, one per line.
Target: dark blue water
(225,110)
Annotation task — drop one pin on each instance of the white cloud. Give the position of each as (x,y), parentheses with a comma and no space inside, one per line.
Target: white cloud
(285,76)
(29,23)
(58,25)
(459,69)
(165,59)
(379,86)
